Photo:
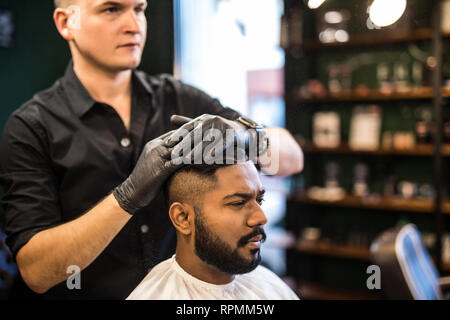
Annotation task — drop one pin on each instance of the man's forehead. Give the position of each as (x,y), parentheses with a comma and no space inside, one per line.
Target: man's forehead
(238,178)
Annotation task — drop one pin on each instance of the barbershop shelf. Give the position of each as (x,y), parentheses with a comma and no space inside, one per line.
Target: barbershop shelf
(327,249)
(445,266)
(365,40)
(419,150)
(315,291)
(374,95)
(391,204)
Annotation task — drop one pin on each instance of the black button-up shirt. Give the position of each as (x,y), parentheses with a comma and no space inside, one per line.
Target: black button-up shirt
(62,152)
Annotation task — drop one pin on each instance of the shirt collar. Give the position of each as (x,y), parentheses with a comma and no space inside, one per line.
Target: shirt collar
(80,99)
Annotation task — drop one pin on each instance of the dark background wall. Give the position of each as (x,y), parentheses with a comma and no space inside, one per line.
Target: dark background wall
(39,55)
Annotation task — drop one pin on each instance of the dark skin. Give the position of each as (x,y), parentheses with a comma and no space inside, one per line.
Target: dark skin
(232,210)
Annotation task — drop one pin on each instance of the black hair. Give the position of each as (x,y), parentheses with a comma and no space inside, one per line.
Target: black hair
(205,172)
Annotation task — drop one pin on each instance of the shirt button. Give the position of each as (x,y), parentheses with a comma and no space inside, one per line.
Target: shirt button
(144,228)
(125,142)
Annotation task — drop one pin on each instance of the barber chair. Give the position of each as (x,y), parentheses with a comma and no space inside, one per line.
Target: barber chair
(7,269)
(407,271)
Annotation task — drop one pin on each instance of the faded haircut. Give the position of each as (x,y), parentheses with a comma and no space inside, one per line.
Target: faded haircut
(62,3)
(190,183)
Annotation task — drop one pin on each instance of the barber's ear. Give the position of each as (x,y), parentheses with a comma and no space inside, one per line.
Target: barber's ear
(181,216)
(66,21)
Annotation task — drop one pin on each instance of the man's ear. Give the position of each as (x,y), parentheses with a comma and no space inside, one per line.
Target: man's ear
(66,21)
(181,216)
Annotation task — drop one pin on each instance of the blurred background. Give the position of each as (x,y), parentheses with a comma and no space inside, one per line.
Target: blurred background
(362,85)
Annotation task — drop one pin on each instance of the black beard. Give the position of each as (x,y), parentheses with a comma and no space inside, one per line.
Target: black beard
(212,250)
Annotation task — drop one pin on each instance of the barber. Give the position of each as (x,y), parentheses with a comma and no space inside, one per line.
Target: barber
(82,162)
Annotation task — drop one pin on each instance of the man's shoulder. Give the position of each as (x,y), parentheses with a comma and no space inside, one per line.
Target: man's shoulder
(31,110)
(261,271)
(167,82)
(188,100)
(155,284)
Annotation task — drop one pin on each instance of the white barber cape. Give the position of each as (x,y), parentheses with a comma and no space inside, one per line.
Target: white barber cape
(168,281)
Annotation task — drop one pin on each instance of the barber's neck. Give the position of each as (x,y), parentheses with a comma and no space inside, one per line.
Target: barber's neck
(103,85)
(192,264)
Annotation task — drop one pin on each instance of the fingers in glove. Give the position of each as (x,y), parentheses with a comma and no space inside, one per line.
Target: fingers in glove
(179,120)
(179,134)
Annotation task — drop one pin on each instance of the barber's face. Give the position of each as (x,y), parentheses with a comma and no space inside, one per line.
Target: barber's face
(112,34)
(229,227)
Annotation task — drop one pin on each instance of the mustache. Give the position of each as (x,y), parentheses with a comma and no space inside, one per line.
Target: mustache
(257,231)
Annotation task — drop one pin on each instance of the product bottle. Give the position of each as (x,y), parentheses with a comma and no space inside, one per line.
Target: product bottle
(422,127)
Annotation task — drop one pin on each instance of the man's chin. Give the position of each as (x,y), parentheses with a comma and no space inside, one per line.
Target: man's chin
(130,66)
(127,64)
(250,254)
(252,258)
(240,264)
(253,262)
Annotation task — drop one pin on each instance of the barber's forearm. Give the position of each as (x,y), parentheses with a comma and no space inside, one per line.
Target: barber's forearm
(284,156)
(44,260)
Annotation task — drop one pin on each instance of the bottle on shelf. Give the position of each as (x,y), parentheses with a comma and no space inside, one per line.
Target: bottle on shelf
(360,182)
(423,127)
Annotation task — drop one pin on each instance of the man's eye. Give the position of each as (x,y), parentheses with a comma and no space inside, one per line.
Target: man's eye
(111,10)
(260,201)
(237,204)
(139,9)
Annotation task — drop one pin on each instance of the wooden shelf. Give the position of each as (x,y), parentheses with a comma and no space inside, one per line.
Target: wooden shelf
(314,291)
(325,248)
(330,250)
(374,95)
(372,39)
(391,204)
(445,267)
(374,42)
(419,150)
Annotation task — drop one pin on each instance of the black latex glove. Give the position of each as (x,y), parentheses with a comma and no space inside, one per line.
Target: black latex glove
(152,169)
(245,139)
(160,157)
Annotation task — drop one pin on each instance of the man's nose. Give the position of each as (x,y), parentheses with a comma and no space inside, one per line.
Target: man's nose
(257,217)
(132,22)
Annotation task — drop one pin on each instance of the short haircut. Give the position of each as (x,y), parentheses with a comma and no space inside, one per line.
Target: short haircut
(190,183)
(62,3)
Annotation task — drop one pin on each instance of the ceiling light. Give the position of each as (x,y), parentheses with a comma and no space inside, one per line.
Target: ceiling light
(314,4)
(333,17)
(342,36)
(383,13)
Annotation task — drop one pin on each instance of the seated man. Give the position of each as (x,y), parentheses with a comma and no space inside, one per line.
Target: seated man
(219,224)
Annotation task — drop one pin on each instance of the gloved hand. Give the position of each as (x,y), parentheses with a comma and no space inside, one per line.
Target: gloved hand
(158,162)
(247,135)
(152,169)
